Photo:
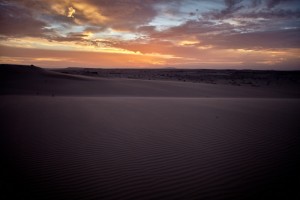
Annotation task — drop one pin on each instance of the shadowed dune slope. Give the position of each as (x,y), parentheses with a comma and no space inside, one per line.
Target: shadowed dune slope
(150,148)
(36,81)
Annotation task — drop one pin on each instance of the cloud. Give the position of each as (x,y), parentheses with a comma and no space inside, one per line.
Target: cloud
(273,3)
(78,58)
(244,8)
(71,12)
(258,40)
(232,5)
(124,14)
(226,36)
(16,21)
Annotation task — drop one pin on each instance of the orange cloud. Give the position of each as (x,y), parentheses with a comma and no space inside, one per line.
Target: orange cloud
(71,12)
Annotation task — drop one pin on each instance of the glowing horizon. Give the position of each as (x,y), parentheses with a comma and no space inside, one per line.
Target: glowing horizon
(238,34)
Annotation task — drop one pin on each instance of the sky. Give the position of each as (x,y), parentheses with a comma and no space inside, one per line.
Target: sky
(212,34)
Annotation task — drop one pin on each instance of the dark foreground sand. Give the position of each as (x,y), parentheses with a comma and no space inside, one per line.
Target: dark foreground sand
(135,139)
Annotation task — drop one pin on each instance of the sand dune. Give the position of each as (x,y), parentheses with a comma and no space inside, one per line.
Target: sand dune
(137,139)
(253,78)
(36,81)
(145,148)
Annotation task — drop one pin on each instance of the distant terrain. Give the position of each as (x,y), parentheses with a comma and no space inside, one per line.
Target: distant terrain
(21,79)
(254,78)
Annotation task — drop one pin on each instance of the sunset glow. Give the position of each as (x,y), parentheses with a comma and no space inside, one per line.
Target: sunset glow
(239,34)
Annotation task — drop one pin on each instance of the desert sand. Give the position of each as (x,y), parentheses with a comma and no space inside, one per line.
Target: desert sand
(66,136)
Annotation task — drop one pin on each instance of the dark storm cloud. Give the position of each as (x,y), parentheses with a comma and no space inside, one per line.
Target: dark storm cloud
(272,3)
(18,21)
(244,8)
(232,5)
(271,14)
(191,28)
(257,40)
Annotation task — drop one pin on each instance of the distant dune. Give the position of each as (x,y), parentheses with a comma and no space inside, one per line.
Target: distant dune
(66,136)
(250,78)
(34,80)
